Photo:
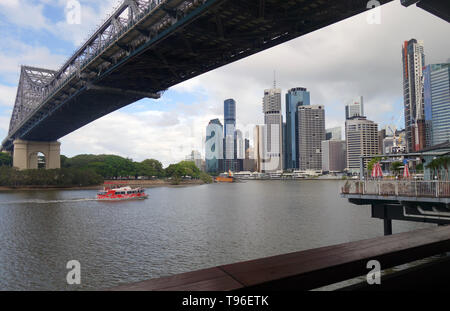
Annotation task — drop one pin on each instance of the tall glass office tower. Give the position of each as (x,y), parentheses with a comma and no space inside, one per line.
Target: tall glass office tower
(295,97)
(229,140)
(214,146)
(437,103)
(229,112)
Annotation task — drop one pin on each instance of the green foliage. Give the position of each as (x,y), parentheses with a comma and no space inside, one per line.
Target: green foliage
(113,166)
(206,178)
(183,168)
(438,164)
(419,167)
(372,163)
(64,177)
(150,167)
(396,166)
(5,159)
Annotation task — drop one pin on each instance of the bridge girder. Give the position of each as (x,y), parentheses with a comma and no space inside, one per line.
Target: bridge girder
(147,46)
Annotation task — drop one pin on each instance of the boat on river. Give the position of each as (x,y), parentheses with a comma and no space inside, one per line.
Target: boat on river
(121,194)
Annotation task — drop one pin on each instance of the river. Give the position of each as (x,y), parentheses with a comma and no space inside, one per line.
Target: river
(178,229)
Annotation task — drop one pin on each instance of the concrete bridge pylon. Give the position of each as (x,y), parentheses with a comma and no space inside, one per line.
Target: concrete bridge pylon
(25,154)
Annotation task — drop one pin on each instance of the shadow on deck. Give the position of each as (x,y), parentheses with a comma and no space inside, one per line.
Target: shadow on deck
(314,268)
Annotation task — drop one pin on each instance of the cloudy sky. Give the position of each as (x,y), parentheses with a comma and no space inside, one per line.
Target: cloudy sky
(336,64)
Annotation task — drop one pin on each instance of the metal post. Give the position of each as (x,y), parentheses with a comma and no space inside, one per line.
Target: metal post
(361,168)
(387,225)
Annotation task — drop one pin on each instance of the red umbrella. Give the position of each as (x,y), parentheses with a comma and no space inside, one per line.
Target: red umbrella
(406,171)
(376,170)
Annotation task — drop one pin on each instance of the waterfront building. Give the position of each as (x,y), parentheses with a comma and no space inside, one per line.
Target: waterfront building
(334,155)
(240,148)
(437,103)
(361,137)
(259,146)
(413,61)
(214,146)
(273,121)
(354,108)
(334,133)
(295,97)
(311,133)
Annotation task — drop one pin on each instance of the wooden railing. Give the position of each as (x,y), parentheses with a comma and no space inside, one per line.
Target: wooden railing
(314,268)
(405,188)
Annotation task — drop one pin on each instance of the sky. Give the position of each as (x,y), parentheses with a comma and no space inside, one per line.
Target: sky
(336,64)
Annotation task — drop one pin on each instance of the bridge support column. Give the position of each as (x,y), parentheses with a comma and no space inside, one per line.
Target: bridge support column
(25,154)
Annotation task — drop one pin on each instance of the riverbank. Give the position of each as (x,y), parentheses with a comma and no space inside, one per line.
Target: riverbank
(131,183)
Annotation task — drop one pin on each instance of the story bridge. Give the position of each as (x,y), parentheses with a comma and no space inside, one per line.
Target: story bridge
(145,47)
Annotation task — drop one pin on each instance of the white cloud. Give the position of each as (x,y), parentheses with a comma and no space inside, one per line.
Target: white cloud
(7,95)
(139,136)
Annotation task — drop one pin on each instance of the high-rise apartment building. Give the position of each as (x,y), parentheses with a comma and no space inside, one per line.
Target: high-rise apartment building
(354,108)
(311,133)
(214,146)
(362,140)
(273,120)
(413,61)
(437,103)
(295,97)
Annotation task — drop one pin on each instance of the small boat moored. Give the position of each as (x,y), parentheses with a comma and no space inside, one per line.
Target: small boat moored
(122,193)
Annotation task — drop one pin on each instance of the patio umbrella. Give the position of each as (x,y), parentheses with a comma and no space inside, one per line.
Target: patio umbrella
(376,170)
(406,171)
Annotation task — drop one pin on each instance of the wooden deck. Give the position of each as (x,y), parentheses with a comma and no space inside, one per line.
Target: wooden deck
(307,269)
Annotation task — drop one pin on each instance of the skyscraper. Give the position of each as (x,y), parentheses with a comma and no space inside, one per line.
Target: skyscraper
(229,113)
(311,133)
(229,140)
(273,120)
(437,103)
(240,148)
(413,62)
(214,147)
(354,108)
(295,97)
(361,136)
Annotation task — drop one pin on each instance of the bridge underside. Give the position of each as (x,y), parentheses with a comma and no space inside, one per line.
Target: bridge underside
(214,34)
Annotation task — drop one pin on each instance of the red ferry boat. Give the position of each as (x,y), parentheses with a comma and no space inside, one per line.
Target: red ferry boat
(122,193)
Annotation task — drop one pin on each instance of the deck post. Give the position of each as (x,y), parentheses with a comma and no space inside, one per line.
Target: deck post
(387,226)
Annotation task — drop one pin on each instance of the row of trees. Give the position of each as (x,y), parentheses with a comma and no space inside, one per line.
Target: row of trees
(64,177)
(103,166)
(112,166)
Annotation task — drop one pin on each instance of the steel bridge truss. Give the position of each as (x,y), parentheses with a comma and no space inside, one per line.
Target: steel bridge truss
(41,86)
(147,46)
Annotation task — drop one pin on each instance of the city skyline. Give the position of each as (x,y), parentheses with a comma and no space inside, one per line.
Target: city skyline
(172,125)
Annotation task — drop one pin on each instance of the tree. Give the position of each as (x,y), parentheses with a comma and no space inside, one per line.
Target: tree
(149,167)
(5,159)
(372,163)
(396,166)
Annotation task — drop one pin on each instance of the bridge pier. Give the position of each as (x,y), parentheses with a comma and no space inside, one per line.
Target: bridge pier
(25,154)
